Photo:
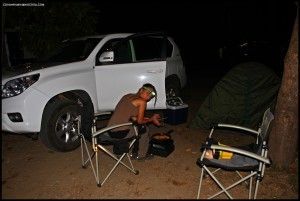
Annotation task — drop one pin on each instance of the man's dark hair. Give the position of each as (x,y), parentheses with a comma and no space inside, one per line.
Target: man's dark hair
(152,89)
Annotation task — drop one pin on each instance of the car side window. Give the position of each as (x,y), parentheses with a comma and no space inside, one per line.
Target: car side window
(148,48)
(122,51)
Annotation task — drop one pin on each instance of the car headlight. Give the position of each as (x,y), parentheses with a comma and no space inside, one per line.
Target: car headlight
(19,85)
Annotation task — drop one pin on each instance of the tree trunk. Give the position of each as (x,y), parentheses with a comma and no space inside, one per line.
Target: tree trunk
(284,134)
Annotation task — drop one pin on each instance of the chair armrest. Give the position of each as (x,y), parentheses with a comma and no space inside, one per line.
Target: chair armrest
(103,130)
(237,127)
(101,113)
(242,152)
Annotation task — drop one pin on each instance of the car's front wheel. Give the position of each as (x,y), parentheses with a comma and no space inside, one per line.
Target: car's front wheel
(59,129)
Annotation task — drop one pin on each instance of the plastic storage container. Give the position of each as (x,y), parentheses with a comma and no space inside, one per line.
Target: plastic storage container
(177,114)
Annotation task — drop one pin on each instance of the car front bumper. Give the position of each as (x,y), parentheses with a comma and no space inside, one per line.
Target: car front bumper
(30,104)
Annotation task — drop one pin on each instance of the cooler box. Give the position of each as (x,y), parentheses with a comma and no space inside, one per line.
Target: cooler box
(176,114)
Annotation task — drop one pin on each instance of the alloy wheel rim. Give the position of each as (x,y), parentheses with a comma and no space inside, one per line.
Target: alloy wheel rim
(66,128)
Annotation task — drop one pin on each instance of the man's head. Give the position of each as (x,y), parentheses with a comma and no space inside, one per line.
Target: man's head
(148,92)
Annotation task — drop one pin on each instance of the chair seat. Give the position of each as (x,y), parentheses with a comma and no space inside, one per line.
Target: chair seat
(105,139)
(237,162)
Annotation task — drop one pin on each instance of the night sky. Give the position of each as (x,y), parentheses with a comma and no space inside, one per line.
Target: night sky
(200,28)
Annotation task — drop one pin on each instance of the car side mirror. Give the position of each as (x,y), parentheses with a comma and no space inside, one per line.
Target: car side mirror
(107,56)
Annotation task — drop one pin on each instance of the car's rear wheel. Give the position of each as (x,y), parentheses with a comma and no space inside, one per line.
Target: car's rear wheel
(59,129)
(172,87)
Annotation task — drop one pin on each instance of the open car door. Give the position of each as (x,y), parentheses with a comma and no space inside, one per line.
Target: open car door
(127,65)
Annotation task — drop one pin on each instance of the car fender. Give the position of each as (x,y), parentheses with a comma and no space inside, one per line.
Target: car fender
(76,76)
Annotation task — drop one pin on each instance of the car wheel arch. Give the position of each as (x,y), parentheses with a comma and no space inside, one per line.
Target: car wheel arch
(80,98)
(74,96)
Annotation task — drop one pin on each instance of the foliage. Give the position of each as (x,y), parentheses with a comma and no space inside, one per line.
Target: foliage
(42,27)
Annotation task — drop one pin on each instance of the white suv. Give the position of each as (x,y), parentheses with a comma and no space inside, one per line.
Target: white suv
(87,76)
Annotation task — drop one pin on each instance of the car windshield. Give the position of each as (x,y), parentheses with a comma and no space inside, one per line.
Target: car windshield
(73,50)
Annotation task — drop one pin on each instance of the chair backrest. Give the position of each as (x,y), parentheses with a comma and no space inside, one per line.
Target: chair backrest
(263,129)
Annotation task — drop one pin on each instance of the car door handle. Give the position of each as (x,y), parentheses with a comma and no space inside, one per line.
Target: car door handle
(155,71)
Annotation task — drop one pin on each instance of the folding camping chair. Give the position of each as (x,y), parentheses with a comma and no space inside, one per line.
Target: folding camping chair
(251,159)
(100,142)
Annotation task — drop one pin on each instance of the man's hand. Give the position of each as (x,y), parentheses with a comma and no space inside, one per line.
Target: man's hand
(156,119)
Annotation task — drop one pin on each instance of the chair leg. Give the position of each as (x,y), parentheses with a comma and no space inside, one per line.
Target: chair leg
(250,186)
(233,185)
(219,184)
(241,177)
(89,159)
(119,161)
(97,169)
(136,172)
(84,163)
(114,167)
(200,183)
(256,189)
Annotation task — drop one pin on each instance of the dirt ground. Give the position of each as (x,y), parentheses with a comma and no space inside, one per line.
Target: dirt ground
(31,171)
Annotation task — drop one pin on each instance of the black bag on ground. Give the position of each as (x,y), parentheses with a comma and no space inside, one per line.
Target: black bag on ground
(161,144)
(121,147)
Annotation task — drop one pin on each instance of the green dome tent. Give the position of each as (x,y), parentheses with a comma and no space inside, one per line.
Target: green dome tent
(240,97)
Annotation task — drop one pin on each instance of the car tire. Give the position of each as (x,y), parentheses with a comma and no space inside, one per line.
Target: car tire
(172,88)
(59,130)
(87,117)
